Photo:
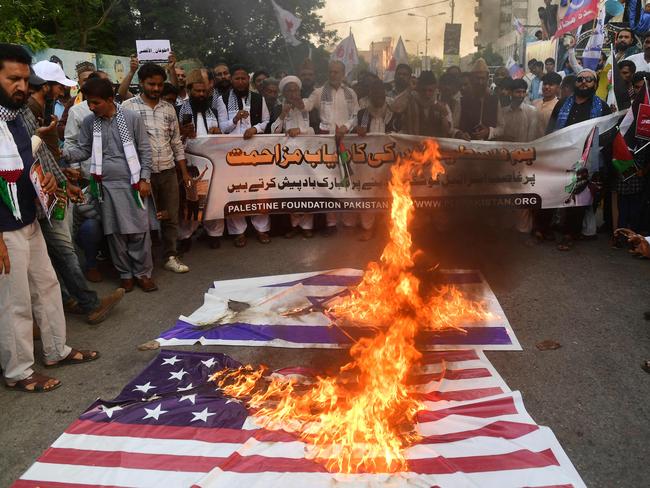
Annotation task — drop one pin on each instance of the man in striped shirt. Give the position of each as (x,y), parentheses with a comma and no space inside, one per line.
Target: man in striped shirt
(160,119)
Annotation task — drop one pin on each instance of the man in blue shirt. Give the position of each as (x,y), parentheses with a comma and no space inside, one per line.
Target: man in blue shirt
(29,290)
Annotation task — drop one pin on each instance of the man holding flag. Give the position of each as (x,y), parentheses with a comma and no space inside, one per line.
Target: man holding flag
(582,105)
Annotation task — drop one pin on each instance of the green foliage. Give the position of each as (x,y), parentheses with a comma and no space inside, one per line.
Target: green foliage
(15,17)
(243,31)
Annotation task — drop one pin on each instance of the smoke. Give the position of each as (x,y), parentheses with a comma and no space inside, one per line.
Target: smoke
(401,24)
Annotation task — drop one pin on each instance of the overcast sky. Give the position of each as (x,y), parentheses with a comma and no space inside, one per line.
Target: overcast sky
(401,24)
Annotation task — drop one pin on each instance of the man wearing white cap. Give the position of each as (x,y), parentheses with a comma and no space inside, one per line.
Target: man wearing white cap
(41,103)
(294,121)
(78,297)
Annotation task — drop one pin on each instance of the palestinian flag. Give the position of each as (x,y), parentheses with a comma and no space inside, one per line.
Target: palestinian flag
(622,157)
(344,161)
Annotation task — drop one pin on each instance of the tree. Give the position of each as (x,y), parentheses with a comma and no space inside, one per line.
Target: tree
(242,31)
(80,24)
(15,16)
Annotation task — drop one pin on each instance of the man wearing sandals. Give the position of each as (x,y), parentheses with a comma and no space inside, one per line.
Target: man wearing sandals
(29,290)
(582,105)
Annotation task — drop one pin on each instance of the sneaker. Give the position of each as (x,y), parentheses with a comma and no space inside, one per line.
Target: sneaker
(105,306)
(174,265)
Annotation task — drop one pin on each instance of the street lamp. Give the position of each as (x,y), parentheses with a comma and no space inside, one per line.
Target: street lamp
(426,31)
(417,46)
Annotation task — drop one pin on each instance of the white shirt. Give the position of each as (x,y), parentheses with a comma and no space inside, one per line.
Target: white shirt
(640,62)
(295,119)
(336,112)
(226,117)
(76,115)
(521,124)
(200,125)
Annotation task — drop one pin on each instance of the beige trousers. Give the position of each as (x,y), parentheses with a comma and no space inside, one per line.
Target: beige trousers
(29,292)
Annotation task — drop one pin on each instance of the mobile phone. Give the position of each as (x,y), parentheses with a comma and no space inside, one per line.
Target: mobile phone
(48,111)
(187,119)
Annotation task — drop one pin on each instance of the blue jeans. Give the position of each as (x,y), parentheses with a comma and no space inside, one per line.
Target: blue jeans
(66,263)
(89,238)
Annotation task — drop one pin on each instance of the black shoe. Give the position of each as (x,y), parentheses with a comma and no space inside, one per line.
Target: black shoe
(292,233)
(329,231)
(214,242)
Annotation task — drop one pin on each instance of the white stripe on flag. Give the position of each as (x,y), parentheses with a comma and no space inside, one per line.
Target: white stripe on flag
(99,475)
(533,477)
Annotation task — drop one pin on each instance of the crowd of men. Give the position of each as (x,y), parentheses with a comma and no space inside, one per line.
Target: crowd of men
(118,161)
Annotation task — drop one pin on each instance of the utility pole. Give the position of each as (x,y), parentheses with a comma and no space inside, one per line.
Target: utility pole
(453,6)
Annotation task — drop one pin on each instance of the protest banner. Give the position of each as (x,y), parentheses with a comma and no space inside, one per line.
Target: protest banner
(279,174)
(153,51)
(579,12)
(643,122)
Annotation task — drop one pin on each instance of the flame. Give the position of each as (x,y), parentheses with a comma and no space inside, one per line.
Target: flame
(362,419)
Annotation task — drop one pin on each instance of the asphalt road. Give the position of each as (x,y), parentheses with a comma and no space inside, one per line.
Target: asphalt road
(591,392)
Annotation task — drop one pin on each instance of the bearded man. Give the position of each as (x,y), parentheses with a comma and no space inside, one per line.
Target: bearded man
(582,105)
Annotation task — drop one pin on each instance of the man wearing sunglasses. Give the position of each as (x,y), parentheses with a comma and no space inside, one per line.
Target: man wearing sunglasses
(582,105)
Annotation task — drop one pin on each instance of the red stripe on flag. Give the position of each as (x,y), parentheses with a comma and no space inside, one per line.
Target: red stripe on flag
(523,459)
(132,460)
(502,429)
(450,374)
(432,357)
(483,410)
(459,395)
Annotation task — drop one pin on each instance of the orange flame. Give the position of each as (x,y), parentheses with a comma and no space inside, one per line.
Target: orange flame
(362,419)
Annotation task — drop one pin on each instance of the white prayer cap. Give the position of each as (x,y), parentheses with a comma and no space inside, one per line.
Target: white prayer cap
(290,79)
(588,71)
(52,72)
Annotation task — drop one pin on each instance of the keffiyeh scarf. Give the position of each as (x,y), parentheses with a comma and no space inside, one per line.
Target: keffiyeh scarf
(129,151)
(209,118)
(326,100)
(11,164)
(565,110)
(235,103)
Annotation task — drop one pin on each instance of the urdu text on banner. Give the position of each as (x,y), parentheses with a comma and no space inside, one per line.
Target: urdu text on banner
(279,174)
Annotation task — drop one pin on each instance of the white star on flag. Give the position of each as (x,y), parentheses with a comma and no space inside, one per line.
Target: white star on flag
(171,361)
(233,400)
(185,388)
(178,375)
(109,410)
(209,363)
(191,398)
(203,415)
(144,388)
(154,413)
